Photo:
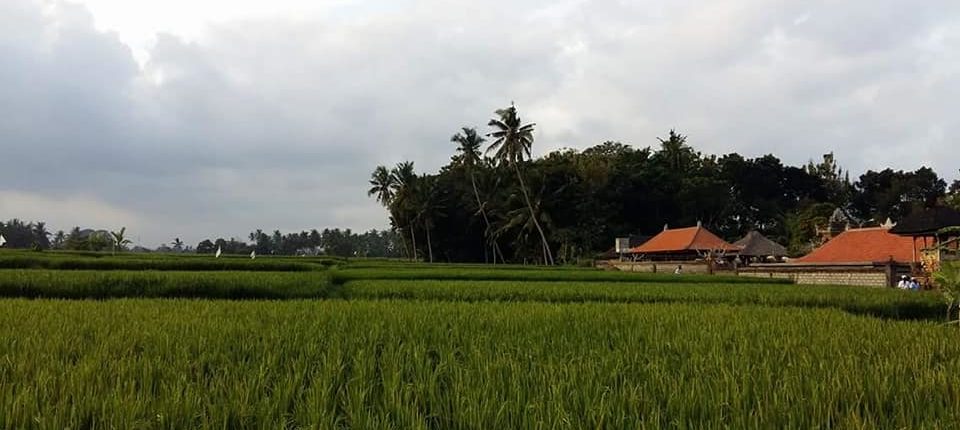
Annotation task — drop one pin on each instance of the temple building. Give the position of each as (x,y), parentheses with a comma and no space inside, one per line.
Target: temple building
(685,244)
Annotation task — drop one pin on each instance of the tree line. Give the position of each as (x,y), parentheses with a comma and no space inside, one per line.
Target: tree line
(35,235)
(336,242)
(494,203)
(19,234)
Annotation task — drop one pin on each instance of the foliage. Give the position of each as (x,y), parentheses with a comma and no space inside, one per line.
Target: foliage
(582,200)
(333,242)
(947,278)
(120,240)
(895,194)
(511,146)
(25,235)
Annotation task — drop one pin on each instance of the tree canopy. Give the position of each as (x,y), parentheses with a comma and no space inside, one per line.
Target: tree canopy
(582,199)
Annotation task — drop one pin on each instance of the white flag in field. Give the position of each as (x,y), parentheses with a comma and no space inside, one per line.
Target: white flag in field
(218,252)
(2,240)
(253,255)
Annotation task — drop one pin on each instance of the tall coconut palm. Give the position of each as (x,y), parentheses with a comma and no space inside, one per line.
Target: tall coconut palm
(426,207)
(469,144)
(382,185)
(404,192)
(511,146)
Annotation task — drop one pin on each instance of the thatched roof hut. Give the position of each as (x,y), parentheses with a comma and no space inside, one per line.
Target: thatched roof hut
(927,222)
(755,244)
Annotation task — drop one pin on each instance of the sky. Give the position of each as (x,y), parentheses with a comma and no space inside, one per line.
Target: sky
(197,119)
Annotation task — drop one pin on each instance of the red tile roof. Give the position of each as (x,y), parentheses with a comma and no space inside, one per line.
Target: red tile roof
(873,245)
(684,239)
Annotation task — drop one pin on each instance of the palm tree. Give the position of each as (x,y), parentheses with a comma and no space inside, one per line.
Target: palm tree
(469,148)
(382,185)
(119,239)
(511,146)
(59,239)
(177,244)
(404,192)
(41,237)
(427,208)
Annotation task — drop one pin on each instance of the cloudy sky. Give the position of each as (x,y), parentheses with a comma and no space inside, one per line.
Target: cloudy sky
(193,118)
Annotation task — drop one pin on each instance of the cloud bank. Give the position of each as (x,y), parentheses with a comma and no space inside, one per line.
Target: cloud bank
(275,121)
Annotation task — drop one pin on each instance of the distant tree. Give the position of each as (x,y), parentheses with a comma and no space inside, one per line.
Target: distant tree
(177,244)
(382,185)
(59,240)
(834,178)
(953,197)
(404,180)
(76,240)
(512,142)
(468,146)
(894,194)
(120,240)
(680,156)
(99,240)
(206,247)
(41,237)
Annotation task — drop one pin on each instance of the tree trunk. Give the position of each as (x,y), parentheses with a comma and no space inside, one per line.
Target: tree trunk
(403,239)
(429,243)
(486,221)
(547,255)
(413,238)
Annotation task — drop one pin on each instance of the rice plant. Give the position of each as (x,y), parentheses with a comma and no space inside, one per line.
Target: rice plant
(414,364)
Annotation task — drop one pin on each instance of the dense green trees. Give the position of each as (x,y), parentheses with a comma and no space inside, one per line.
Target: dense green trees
(343,243)
(571,204)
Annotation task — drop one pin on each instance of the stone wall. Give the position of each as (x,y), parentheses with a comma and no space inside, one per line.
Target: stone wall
(688,267)
(866,274)
(859,274)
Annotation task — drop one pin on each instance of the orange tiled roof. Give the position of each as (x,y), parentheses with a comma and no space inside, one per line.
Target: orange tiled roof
(684,239)
(863,245)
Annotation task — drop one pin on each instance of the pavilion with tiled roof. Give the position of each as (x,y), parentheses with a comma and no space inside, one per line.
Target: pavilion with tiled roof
(684,244)
(863,245)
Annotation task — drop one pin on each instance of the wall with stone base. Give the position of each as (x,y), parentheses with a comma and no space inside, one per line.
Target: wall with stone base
(688,267)
(866,275)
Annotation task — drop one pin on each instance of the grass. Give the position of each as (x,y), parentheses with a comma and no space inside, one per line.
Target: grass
(143,262)
(501,273)
(380,344)
(396,364)
(65,284)
(886,303)
(116,283)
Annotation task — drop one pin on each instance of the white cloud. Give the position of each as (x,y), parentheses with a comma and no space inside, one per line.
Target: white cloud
(67,211)
(247,115)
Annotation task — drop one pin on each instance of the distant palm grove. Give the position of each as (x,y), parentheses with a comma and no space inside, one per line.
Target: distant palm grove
(494,203)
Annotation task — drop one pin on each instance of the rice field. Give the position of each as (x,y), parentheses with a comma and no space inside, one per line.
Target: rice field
(400,364)
(358,345)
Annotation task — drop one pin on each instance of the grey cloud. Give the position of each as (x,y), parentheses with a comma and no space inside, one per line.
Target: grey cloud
(277,122)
